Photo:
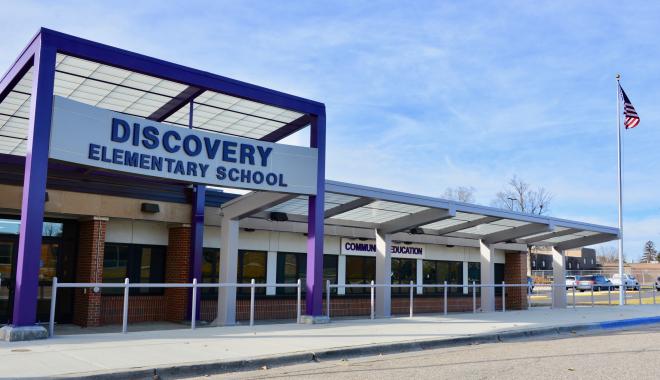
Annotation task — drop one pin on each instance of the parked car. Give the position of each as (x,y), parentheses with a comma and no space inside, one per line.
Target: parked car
(657,283)
(530,284)
(571,281)
(629,281)
(597,282)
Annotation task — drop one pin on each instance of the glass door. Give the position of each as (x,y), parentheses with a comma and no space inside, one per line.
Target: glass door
(8,246)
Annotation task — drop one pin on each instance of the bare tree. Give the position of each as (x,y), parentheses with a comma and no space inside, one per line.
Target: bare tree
(460,193)
(608,254)
(520,196)
(650,253)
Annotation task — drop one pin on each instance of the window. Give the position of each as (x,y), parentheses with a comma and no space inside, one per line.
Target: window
(437,272)
(5,253)
(13,226)
(360,270)
(290,268)
(499,277)
(533,263)
(403,271)
(210,271)
(330,269)
(293,266)
(252,265)
(543,263)
(140,263)
(569,265)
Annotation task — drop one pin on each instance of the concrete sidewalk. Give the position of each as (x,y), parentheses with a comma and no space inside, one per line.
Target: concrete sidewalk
(113,353)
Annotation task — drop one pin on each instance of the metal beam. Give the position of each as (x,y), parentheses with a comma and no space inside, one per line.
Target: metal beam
(22,65)
(415,220)
(330,221)
(176,103)
(288,129)
(466,225)
(585,241)
(252,203)
(352,205)
(548,236)
(517,232)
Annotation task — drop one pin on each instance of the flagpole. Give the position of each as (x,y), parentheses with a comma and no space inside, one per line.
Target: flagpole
(622,288)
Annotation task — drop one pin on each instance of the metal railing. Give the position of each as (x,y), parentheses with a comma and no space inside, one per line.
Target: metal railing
(127,285)
(413,286)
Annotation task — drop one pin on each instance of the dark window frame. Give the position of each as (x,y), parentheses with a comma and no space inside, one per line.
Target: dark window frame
(133,268)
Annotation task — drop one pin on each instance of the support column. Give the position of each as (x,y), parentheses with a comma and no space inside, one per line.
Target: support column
(34,194)
(487,276)
(177,270)
(271,273)
(89,268)
(559,279)
(197,242)
(383,274)
(515,272)
(341,274)
(315,233)
(228,272)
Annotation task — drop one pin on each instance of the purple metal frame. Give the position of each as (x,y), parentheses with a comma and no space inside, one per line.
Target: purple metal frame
(315,223)
(34,187)
(40,54)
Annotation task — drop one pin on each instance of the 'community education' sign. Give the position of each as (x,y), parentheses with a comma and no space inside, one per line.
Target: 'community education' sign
(357,247)
(101,138)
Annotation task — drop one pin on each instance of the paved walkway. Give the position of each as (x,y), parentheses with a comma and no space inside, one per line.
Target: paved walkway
(111,352)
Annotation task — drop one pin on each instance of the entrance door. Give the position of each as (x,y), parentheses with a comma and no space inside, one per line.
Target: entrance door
(8,249)
(57,258)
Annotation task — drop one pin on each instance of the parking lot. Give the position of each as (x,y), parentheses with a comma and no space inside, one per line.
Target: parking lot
(541,296)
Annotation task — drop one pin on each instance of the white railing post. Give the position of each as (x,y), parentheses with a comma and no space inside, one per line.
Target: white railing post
(327,298)
(193,316)
(53,301)
(444,298)
(372,299)
(124,324)
(503,297)
(654,290)
(298,297)
(639,293)
(573,296)
(252,302)
(411,298)
(609,295)
(474,297)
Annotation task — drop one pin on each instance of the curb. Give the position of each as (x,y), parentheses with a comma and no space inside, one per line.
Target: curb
(219,367)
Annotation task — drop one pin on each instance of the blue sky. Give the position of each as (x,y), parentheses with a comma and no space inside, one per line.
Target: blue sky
(425,95)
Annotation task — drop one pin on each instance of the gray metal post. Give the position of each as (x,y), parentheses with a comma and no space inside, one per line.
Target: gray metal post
(53,301)
(503,297)
(124,326)
(252,302)
(327,298)
(474,296)
(372,299)
(445,299)
(639,294)
(193,314)
(411,298)
(609,295)
(573,296)
(654,294)
(298,297)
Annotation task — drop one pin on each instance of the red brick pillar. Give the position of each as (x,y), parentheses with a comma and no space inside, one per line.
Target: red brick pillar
(177,270)
(89,268)
(515,272)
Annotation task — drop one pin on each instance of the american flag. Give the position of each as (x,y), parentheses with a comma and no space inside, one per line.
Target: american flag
(632,119)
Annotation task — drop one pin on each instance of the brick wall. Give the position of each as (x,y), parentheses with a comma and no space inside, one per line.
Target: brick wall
(89,268)
(140,309)
(285,308)
(515,272)
(177,270)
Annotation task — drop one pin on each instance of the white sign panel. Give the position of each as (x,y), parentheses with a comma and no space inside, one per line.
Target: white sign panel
(101,138)
(357,247)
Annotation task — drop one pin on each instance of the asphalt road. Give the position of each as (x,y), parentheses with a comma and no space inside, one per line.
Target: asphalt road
(629,354)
